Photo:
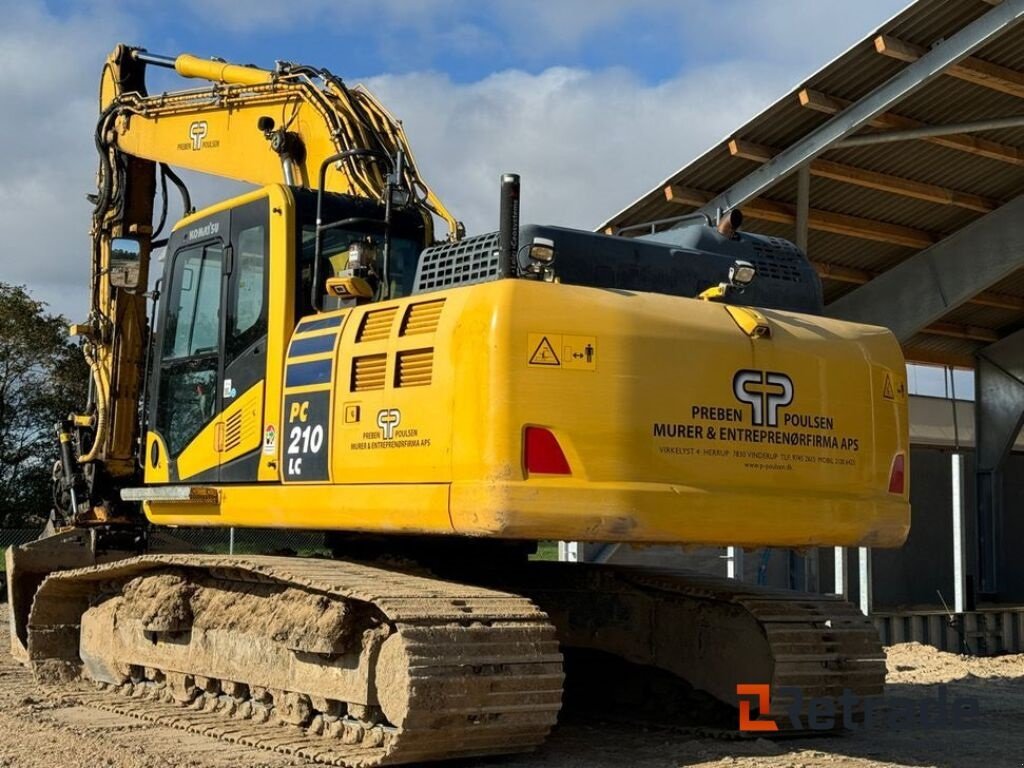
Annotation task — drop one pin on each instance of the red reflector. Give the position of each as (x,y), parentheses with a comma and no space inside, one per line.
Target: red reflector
(542,454)
(896,476)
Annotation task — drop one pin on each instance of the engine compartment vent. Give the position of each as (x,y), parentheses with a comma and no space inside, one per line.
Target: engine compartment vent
(233,431)
(471,260)
(415,368)
(369,373)
(421,318)
(778,259)
(376,324)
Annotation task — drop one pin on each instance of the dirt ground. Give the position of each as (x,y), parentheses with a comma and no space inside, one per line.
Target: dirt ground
(39,731)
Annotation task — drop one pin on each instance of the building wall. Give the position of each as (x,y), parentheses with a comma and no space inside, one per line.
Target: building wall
(912,576)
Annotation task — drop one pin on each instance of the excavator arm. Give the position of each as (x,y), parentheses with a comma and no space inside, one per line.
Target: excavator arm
(295,124)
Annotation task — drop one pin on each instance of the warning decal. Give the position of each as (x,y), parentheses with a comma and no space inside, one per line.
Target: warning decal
(543,353)
(894,388)
(567,353)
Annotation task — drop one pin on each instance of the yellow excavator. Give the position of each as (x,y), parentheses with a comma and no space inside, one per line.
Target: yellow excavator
(313,357)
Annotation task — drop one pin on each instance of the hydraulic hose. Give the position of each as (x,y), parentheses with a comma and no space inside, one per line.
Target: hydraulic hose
(102,393)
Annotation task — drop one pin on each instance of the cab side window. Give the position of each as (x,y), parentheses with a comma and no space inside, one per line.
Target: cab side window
(190,356)
(247,289)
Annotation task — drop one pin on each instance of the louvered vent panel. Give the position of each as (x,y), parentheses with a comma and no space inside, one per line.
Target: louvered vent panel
(368,372)
(422,318)
(376,325)
(233,431)
(415,368)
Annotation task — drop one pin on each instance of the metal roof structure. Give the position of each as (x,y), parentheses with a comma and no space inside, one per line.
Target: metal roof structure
(907,150)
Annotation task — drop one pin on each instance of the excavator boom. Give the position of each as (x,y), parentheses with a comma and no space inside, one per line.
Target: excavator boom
(283,124)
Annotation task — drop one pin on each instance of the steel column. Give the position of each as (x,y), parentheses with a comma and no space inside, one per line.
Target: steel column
(841,575)
(803,205)
(959,551)
(998,417)
(734,563)
(864,585)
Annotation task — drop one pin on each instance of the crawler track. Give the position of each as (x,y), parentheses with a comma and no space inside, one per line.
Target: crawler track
(442,670)
(348,664)
(714,633)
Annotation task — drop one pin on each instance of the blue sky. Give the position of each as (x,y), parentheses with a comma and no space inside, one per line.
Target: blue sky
(469,40)
(594,102)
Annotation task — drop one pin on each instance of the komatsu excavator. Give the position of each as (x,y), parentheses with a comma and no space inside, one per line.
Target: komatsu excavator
(316,359)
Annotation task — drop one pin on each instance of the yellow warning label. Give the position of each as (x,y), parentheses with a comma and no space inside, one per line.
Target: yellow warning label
(887,390)
(579,353)
(571,353)
(543,352)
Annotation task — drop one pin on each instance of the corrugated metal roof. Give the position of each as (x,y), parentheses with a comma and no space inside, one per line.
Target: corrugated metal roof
(942,101)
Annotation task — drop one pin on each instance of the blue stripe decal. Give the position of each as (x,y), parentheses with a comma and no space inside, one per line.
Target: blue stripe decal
(320,324)
(312,346)
(304,374)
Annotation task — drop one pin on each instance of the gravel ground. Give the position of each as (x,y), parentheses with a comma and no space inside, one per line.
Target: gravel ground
(42,730)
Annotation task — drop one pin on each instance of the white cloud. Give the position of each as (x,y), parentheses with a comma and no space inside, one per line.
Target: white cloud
(587,143)
(51,68)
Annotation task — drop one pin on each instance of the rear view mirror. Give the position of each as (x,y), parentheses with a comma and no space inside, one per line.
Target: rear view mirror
(125,255)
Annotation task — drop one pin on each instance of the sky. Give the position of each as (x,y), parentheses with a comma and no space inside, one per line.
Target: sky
(593,102)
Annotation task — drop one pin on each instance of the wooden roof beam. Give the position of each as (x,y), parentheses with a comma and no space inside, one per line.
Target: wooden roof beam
(969,332)
(840,274)
(849,174)
(830,105)
(971,70)
(823,221)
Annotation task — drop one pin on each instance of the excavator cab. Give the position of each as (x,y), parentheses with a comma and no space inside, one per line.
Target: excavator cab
(237,279)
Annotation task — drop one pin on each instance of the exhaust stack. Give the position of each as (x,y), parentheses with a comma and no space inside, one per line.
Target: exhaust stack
(508,227)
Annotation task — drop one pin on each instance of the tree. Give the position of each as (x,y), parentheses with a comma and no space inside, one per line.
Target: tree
(43,377)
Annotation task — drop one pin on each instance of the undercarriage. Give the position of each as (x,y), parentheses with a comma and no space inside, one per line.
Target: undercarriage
(360,664)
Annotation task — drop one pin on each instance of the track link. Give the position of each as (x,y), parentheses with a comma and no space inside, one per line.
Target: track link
(713,632)
(463,671)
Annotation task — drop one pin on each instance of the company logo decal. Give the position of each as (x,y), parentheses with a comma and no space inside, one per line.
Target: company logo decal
(388,420)
(762,424)
(765,392)
(853,712)
(198,131)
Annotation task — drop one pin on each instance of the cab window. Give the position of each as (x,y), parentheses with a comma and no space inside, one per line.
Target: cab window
(190,357)
(247,316)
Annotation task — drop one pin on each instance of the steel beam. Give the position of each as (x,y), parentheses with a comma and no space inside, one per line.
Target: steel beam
(913,76)
(917,292)
(931,131)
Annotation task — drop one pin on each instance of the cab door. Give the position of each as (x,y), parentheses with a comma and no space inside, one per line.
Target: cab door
(243,386)
(186,396)
(210,360)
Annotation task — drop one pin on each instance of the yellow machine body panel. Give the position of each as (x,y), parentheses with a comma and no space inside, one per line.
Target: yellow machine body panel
(678,423)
